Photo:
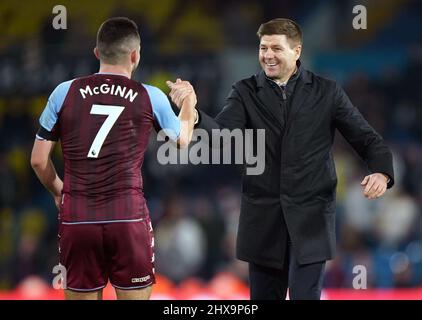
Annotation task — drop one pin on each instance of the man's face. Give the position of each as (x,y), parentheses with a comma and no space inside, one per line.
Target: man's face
(277,58)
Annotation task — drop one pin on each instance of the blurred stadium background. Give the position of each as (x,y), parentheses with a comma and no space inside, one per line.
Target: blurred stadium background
(195,208)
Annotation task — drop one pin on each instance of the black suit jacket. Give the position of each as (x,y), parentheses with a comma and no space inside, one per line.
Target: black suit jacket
(295,196)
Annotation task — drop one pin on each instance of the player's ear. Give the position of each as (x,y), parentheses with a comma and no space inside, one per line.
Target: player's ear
(134,57)
(298,51)
(96,53)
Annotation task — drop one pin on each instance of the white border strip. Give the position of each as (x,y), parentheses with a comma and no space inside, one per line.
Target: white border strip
(137,287)
(86,290)
(104,221)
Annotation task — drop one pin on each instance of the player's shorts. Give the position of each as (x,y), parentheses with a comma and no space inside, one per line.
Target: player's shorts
(122,252)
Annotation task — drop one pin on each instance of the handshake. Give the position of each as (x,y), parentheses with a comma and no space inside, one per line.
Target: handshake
(182,91)
(183,95)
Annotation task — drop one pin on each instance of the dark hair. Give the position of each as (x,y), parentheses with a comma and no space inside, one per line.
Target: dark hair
(115,37)
(282,26)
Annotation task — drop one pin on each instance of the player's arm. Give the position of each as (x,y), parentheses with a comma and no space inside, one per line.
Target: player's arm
(44,168)
(46,139)
(188,115)
(178,128)
(232,116)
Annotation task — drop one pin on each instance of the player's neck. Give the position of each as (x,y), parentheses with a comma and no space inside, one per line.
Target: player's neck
(107,68)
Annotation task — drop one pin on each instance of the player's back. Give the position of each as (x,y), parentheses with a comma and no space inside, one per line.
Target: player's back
(104,126)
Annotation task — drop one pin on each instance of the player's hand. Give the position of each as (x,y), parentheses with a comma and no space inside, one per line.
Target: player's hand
(374,185)
(180,90)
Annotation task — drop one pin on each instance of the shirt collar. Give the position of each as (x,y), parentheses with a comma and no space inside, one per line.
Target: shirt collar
(262,78)
(113,74)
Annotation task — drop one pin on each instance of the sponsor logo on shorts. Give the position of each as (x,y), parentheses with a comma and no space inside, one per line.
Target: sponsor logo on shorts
(143,279)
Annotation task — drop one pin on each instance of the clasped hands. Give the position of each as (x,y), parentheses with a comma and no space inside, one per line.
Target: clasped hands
(181,90)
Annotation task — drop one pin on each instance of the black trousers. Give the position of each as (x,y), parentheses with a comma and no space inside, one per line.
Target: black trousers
(303,281)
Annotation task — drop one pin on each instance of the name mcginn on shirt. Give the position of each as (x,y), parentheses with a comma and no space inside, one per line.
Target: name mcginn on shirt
(105,88)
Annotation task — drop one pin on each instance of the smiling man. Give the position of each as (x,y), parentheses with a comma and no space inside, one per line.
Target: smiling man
(287,220)
(278,55)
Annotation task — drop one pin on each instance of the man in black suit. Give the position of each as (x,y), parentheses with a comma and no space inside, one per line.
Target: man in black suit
(287,221)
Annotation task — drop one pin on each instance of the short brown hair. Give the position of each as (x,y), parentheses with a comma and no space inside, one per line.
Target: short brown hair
(282,26)
(116,37)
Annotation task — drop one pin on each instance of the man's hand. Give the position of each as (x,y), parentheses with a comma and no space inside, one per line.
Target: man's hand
(183,95)
(180,90)
(375,185)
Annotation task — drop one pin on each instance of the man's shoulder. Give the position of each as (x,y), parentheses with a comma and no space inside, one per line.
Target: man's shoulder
(249,83)
(75,81)
(82,79)
(61,90)
(151,89)
(65,83)
(319,80)
(252,83)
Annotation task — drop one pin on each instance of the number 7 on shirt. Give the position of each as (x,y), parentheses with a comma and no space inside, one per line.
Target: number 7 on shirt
(113,113)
